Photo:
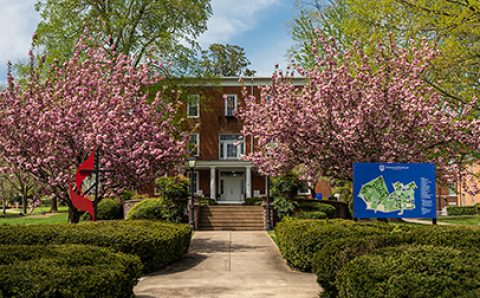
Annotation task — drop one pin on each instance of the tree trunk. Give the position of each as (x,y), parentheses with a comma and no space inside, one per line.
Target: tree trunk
(54,208)
(73,215)
(25,201)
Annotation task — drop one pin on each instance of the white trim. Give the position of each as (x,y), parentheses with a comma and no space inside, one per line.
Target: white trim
(197,144)
(198,106)
(197,181)
(256,81)
(204,164)
(243,149)
(225,97)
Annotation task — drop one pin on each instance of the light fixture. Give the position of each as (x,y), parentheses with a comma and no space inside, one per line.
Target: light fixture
(191,162)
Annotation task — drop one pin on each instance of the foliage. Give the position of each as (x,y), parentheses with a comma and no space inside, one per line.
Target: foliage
(356,107)
(461,210)
(207,202)
(162,28)
(345,190)
(226,61)
(285,185)
(173,188)
(253,201)
(284,206)
(107,209)
(300,239)
(158,244)
(94,100)
(310,215)
(411,271)
(158,209)
(329,210)
(452,25)
(66,271)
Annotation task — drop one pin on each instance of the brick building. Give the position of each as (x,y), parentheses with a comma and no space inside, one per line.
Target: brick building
(220,174)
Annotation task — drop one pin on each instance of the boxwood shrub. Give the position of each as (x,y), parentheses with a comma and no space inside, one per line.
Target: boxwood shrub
(300,239)
(66,271)
(336,254)
(461,210)
(107,209)
(411,271)
(157,243)
(156,209)
(306,206)
(310,215)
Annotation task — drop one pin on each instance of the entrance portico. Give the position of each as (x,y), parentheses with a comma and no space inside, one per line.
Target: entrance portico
(229,181)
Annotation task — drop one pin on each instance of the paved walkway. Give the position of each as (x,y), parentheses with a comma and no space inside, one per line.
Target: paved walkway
(230,264)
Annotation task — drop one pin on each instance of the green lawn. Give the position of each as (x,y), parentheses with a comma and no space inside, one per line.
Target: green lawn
(467,220)
(13,217)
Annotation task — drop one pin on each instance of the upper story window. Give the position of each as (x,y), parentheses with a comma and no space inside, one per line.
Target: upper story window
(193,106)
(194,144)
(231,146)
(452,189)
(231,104)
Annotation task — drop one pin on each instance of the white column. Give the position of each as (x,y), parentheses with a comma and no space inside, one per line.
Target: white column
(248,182)
(213,189)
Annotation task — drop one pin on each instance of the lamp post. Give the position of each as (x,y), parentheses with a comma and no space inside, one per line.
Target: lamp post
(191,210)
(270,147)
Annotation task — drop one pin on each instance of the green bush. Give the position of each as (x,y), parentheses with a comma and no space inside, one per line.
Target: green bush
(300,239)
(107,209)
(156,209)
(158,244)
(411,271)
(253,201)
(173,188)
(329,210)
(66,271)
(310,215)
(207,202)
(334,255)
(284,206)
(461,210)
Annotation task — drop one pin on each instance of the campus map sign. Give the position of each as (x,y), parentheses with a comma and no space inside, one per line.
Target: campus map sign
(394,190)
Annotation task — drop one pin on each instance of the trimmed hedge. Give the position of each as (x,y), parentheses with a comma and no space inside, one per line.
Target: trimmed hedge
(310,215)
(411,271)
(156,209)
(300,239)
(461,210)
(158,244)
(329,210)
(107,209)
(66,271)
(336,254)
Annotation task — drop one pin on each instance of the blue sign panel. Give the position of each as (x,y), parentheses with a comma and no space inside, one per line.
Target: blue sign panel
(394,190)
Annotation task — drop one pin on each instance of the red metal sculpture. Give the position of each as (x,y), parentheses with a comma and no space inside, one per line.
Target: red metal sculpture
(80,200)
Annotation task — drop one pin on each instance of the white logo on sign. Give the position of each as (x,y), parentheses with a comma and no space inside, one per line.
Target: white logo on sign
(382,168)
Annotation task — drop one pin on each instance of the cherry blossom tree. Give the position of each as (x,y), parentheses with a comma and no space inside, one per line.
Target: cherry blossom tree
(95,100)
(357,108)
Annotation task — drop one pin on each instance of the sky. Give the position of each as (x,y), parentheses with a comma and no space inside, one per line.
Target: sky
(259,26)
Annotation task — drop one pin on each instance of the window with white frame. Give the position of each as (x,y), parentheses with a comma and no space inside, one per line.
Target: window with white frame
(304,188)
(196,181)
(194,144)
(193,106)
(231,146)
(452,189)
(231,104)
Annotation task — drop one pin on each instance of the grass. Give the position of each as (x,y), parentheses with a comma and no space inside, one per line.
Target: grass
(466,220)
(38,216)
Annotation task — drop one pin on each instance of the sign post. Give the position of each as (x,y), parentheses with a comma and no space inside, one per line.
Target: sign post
(394,190)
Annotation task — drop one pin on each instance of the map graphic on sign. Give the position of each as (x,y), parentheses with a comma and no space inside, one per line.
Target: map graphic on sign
(394,190)
(376,196)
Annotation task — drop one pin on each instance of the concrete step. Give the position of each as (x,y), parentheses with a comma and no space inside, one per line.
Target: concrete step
(215,221)
(231,228)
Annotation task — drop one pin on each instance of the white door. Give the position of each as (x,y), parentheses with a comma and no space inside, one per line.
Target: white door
(232,189)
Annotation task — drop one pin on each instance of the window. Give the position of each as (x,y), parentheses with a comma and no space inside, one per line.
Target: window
(193,106)
(196,182)
(194,144)
(230,104)
(231,146)
(452,189)
(268,99)
(304,188)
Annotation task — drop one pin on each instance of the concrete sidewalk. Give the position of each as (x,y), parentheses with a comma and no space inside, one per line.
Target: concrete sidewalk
(229,264)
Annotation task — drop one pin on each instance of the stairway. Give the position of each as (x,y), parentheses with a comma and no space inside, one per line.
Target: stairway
(231,218)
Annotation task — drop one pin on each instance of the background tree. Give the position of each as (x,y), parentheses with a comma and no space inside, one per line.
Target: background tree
(376,109)
(225,61)
(453,25)
(94,100)
(168,27)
